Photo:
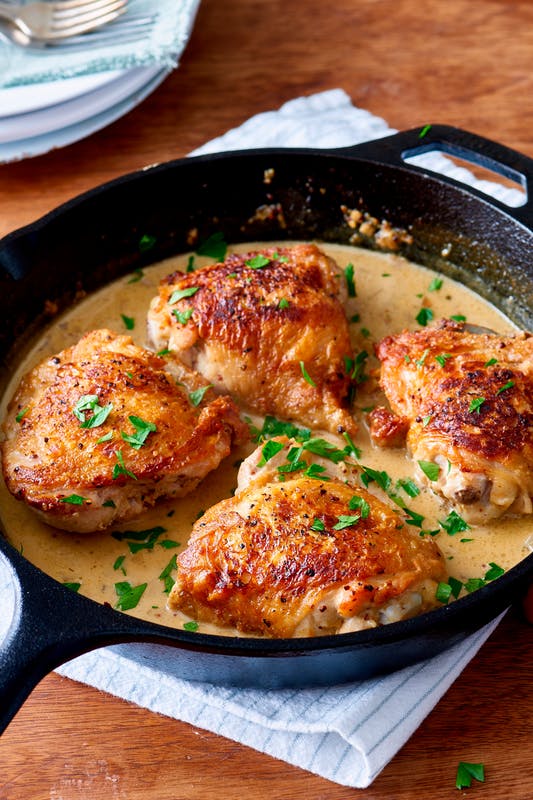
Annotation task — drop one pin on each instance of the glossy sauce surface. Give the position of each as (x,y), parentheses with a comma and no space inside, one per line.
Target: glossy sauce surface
(390,292)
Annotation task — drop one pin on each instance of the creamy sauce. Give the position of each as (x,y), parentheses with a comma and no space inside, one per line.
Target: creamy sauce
(390,293)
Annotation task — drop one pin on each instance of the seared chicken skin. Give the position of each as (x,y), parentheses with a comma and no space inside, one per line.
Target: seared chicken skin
(303,556)
(467,402)
(268,327)
(97,433)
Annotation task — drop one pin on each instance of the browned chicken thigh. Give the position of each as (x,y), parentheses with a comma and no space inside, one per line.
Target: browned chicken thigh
(466,400)
(303,552)
(99,432)
(268,327)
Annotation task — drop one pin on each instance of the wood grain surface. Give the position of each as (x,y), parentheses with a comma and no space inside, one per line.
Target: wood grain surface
(454,62)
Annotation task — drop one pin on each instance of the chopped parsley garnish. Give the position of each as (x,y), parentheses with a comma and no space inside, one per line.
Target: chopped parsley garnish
(140,540)
(105,438)
(358,503)
(443,592)
(306,375)
(424,316)
(409,486)
(168,544)
(142,430)
(89,402)
(128,595)
(316,471)
(442,358)
(413,518)
(136,276)
(146,242)
(183,316)
(22,413)
(494,572)
(351,450)
(275,427)
(355,318)
(476,404)
(458,317)
(257,262)
(350,282)
(425,130)
(166,577)
(355,367)
(346,521)
(382,478)
(108,504)
(197,395)
(491,362)
(467,771)
(426,420)
(454,524)
(120,468)
(435,285)
(164,352)
(430,469)
(317,525)
(321,447)
(129,322)
(73,500)
(118,564)
(506,386)
(283,303)
(179,294)
(422,360)
(190,626)
(270,449)
(214,247)
(72,585)
(191,266)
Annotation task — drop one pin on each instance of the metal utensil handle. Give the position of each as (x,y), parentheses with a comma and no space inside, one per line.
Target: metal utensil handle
(468,146)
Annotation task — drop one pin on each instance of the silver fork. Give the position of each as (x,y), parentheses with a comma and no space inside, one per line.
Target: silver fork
(124,30)
(51,22)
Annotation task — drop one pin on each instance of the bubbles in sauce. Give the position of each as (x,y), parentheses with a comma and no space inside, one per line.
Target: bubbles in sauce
(390,293)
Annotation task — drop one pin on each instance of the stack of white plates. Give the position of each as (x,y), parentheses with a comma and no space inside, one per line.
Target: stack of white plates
(40,117)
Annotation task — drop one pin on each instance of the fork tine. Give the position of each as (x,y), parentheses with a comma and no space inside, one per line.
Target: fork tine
(91,9)
(65,9)
(66,31)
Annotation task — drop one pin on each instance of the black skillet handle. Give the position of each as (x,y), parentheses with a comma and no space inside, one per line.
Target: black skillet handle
(51,625)
(462,144)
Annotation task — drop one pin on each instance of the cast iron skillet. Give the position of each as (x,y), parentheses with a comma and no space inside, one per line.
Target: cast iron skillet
(95,237)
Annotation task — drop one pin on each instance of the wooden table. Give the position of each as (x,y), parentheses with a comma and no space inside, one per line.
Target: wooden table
(462,63)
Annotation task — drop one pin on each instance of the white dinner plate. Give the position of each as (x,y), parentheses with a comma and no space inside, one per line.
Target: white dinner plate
(62,136)
(25,99)
(63,115)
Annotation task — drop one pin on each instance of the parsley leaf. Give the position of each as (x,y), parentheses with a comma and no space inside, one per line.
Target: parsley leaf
(89,402)
(430,469)
(165,575)
(142,430)
(270,449)
(467,771)
(183,316)
(129,322)
(476,404)
(350,282)
(120,467)
(454,524)
(179,294)
(424,316)
(257,262)
(22,413)
(73,499)
(306,375)
(146,242)
(128,595)
(197,395)
(214,247)
(317,525)
(346,521)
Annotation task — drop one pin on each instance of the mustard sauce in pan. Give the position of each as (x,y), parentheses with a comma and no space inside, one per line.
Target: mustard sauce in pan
(390,292)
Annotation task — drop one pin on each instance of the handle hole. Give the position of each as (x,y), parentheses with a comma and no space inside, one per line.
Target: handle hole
(488,176)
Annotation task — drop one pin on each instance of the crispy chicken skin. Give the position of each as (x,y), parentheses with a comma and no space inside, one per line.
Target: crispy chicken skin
(275,336)
(292,558)
(48,456)
(467,399)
